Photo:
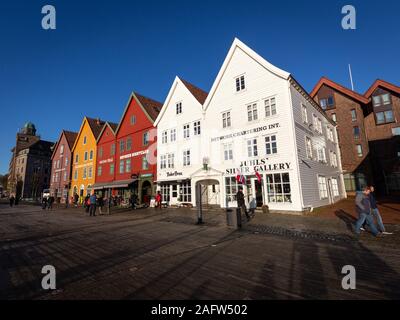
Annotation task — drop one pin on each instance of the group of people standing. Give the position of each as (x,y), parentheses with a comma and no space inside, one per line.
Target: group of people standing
(47,202)
(92,202)
(367,210)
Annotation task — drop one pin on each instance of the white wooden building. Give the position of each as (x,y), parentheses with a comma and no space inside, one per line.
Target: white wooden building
(256,117)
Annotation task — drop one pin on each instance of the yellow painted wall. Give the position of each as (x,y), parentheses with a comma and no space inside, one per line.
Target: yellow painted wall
(79,149)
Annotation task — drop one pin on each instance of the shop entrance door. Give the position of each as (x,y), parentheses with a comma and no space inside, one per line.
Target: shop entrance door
(257,192)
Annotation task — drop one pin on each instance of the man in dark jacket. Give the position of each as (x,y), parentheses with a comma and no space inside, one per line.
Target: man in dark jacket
(375,211)
(241,203)
(363,208)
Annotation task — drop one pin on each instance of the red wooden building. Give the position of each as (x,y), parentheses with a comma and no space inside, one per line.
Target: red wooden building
(136,167)
(61,165)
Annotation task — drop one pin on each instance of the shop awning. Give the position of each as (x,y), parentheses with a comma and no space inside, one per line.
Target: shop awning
(115,184)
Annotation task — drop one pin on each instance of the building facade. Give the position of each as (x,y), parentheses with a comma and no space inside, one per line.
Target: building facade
(30,164)
(368,131)
(62,166)
(84,153)
(257,125)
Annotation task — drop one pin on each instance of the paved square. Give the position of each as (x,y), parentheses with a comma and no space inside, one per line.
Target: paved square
(149,254)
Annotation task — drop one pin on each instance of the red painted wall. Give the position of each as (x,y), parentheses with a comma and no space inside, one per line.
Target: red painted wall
(106,159)
(60,184)
(135,131)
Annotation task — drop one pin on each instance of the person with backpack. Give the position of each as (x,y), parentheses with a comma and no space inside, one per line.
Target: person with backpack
(92,204)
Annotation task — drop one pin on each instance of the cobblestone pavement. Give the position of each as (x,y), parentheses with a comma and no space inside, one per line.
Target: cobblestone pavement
(150,254)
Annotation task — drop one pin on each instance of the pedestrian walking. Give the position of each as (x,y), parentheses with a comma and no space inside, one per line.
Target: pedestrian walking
(240,202)
(76,199)
(92,204)
(133,201)
(86,203)
(50,202)
(158,200)
(12,200)
(44,203)
(375,211)
(100,203)
(363,208)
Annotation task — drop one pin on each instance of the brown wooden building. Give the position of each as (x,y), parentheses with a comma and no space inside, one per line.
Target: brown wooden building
(368,130)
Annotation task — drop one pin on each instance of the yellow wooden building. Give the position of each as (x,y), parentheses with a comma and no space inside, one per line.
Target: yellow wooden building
(84,157)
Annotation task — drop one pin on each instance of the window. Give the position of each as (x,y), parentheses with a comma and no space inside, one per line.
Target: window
(111,168)
(353,115)
(128,166)
(133,120)
(145,163)
(334,117)
(65,176)
(186,158)
(163,161)
(333,159)
(85,156)
(330,101)
(396,131)
(186,131)
(196,127)
(240,83)
(62,149)
(186,192)
(84,173)
(270,145)
(90,172)
(252,148)
(356,132)
(322,154)
(335,187)
(252,112)
(84,140)
(128,144)
(326,102)
(91,155)
(230,188)
(112,151)
(278,188)
(329,133)
(58,163)
(383,99)
(122,146)
(179,108)
(99,170)
(323,103)
(164,136)
(384,117)
(315,122)
(146,138)
(228,152)
(121,166)
(66,161)
(304,113)
(270,107)
(323,190)
(165,192)
(226,119)
(76,158)
(309,148)
(171,160)
(359,150)
(173,135)
(319,125)
(76,175)
(100,152)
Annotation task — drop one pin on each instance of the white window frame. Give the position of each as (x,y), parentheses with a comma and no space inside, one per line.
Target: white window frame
(186,131)
(173,135)
(228,151)
(304,114)
(272,140)
(178,107)
(270,107)
(322,187)
(252,112)
(226,119)
(240,83)
(252,147)
(164,136)
(197,128)
(186,158)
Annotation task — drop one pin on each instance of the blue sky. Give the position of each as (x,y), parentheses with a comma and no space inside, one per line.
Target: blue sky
(103,50)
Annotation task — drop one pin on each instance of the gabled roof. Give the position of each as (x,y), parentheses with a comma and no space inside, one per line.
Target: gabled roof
(113,126)
(196,92)
(69,136)
(95,125)
(351,94)
(383,84)
(149,106)
(237,44)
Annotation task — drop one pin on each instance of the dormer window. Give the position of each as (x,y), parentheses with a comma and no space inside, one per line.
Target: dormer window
(240,83)
(326,102)
(381,100)
(179,108)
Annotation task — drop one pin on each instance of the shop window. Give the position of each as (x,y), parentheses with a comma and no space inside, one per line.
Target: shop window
(186,192)
(165,192)
(278,188)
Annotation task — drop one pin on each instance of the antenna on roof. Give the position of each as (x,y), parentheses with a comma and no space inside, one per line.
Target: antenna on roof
(351,78)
